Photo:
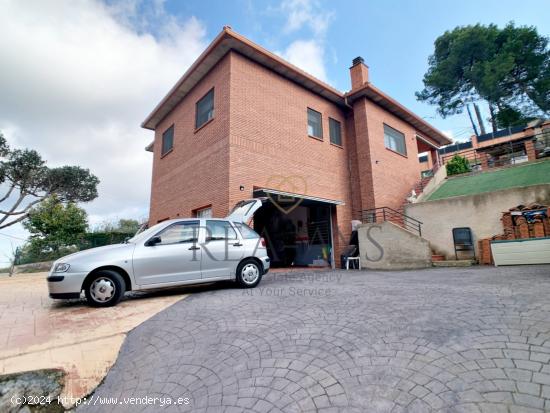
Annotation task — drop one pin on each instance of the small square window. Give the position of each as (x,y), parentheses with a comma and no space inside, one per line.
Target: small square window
(204,109)
(204,212)
(335,131)
(314,124)
(167,140)
(395,140)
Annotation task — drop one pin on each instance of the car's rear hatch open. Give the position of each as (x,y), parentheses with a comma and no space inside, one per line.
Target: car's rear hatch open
(244,210)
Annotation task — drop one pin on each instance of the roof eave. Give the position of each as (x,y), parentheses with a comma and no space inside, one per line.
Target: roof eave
(380,98)
(229,40)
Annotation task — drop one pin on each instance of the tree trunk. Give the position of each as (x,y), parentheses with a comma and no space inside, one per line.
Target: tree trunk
(479,119)
(493,118)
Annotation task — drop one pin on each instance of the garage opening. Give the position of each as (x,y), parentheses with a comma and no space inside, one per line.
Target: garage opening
(297,229)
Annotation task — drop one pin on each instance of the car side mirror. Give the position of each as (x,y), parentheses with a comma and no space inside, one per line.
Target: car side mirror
(153,241)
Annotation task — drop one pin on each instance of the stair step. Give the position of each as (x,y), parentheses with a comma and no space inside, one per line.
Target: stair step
(453,263)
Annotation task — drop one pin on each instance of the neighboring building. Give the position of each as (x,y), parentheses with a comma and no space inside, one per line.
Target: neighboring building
(243,123)
(504,147)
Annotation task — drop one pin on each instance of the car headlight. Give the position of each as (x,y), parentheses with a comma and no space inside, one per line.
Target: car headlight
(61,267)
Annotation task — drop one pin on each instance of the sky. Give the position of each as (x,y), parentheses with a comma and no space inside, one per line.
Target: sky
(77,77)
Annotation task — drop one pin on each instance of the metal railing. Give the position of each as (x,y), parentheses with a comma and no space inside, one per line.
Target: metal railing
(503,154)
(509,153)
(371,216)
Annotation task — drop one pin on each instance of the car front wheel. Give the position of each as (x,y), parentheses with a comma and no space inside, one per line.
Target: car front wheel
(104,289)
(249,274)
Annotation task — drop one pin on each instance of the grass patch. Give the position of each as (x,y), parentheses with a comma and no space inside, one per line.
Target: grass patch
(515,176)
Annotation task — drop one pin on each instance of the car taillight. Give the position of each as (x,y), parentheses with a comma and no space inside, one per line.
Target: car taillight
(262,241)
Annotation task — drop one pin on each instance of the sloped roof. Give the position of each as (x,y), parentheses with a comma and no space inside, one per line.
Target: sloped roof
(228,40)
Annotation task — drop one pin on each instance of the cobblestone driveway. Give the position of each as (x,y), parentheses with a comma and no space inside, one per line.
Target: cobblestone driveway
(468,340)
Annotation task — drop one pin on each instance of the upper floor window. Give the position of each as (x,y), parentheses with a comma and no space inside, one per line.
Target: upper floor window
(205,109)
(335,131)
(395,140)
(314,124)
(167,140)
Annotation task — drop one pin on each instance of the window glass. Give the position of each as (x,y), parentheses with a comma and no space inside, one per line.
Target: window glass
(204,213)
(246,231)
(205,109)
(219,230)
(394,140)
(168,140)
(335,131)
(314,124)
(179,233)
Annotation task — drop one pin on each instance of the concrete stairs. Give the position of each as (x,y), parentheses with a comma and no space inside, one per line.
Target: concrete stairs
(418,189)
(453,263)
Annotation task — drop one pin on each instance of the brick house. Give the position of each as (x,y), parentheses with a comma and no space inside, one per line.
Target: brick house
(242,123)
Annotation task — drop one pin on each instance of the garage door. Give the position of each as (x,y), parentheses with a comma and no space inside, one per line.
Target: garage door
(525,251)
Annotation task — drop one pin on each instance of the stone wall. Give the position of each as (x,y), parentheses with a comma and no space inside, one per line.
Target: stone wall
(481,212)
(387,246)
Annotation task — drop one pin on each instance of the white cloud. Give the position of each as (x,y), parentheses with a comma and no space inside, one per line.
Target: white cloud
(449,134)
(79,77)
(300,13)
(308,55)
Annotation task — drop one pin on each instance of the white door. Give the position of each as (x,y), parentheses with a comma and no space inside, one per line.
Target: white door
(222,249)
(170,256)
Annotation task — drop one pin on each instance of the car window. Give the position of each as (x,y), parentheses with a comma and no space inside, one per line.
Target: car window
(246,231)
(180,232)
(219,230)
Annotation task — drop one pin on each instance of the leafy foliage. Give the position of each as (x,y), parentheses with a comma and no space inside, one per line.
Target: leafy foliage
(458,165)
(59,229)
(123,226)
(54,225)
(509,68)
(29,181)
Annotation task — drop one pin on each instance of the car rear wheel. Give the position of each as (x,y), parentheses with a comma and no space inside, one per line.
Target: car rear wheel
(249,273)
(104,289)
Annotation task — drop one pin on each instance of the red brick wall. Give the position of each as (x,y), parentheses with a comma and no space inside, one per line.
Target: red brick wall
(268,138)
(259,136)
(196,172)
(393,175)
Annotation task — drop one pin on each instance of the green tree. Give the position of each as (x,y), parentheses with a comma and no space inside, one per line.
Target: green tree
(28,181)
(458,165)
(54,226)
(123,226)
(508,68)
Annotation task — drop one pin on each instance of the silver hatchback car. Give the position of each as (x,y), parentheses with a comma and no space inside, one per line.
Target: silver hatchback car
(173,253)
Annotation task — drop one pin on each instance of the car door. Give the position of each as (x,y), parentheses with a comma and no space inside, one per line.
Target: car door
(174,257)
(222,249)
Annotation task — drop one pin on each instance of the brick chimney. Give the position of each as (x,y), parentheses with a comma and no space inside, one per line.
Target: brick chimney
(359,73)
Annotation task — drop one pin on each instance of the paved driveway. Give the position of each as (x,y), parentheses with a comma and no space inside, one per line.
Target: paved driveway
(468,339)
(37,332)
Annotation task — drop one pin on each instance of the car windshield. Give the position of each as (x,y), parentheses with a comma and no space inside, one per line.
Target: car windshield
(147,233)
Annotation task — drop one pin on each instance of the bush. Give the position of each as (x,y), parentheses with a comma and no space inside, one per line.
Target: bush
(458,165)
(30,253)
